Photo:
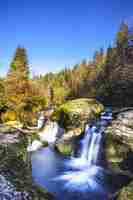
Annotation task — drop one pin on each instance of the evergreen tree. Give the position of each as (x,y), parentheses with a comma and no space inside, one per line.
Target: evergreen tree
(17,82)
(20,61)
(116,79)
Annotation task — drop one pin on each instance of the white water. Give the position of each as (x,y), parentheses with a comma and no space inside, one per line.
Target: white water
(91,145)
(92,153)
(50,132)
(40,121)
(88,163)
(34,146)
(91,142)
(82,175)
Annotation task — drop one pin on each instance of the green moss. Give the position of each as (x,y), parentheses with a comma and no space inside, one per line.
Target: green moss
(15,166)
(126,192)
(65,149)
(7,129)
(115,151)
(76,112)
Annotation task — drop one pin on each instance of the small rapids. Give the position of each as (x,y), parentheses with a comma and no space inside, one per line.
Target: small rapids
(87,164)
(82,177)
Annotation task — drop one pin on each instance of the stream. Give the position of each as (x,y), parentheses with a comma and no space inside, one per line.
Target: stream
(83,177)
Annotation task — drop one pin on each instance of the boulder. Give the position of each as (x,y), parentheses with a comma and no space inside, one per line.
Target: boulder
(14,124)
(76,113)
(126,193)
(15,170)
(119,140)
(73,116)
(64,147)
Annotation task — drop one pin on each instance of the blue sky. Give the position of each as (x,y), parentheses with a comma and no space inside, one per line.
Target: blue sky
(58,33)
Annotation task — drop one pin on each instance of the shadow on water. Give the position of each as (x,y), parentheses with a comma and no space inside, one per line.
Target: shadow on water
(82,177)
(55,172)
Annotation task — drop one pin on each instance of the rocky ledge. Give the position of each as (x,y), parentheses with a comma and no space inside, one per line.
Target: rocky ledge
(119,138)
(72,117)
(119,149)
(15,170)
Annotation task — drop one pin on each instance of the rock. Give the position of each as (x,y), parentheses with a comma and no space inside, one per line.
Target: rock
(14,124)
(50,132)
(6,129)
(119,139)
(64,147)
(15,170)
(73,116)
(126,118)
(8,191)
(9,138)
(66,144)
(119,150)
(126,193)
(75,113)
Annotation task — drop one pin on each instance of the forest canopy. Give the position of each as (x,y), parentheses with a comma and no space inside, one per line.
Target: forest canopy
(107,77)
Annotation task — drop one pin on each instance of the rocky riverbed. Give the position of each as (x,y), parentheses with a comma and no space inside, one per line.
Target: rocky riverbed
(8,191)
(119,149)
(15,171)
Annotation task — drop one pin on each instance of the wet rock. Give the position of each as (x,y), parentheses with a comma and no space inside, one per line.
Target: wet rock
(75,113)
(65,147)
(8,191)
(119,139)
(15,170)
(73,116)
(9,138)
(126,193)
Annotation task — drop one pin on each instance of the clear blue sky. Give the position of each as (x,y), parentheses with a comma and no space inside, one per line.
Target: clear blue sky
(58,33)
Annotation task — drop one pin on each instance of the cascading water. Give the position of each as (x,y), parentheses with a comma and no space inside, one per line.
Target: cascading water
(91,142)
(92,139)
(93,150)
(82,177)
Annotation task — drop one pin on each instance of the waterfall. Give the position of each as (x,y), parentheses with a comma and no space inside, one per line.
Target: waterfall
(81,174)
(40,121)
(91,143)
(51,132)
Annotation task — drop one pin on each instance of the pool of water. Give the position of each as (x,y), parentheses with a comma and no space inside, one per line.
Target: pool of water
(82,177)
(71,178)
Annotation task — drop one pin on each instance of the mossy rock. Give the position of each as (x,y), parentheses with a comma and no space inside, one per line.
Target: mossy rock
(15,124)
(7,129)
(126,192)
(15,166)
(115,151)
(76,113)
(64,148)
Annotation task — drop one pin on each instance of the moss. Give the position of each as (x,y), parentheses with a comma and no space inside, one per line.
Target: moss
(65,149)
(115,151)
(15,166)
(76,112)
(33,136)
(126,192)
(7,129)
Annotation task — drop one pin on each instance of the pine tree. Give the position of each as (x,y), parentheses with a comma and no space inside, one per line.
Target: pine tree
(116,80)
(20,61)
(17,81)
(99,58)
